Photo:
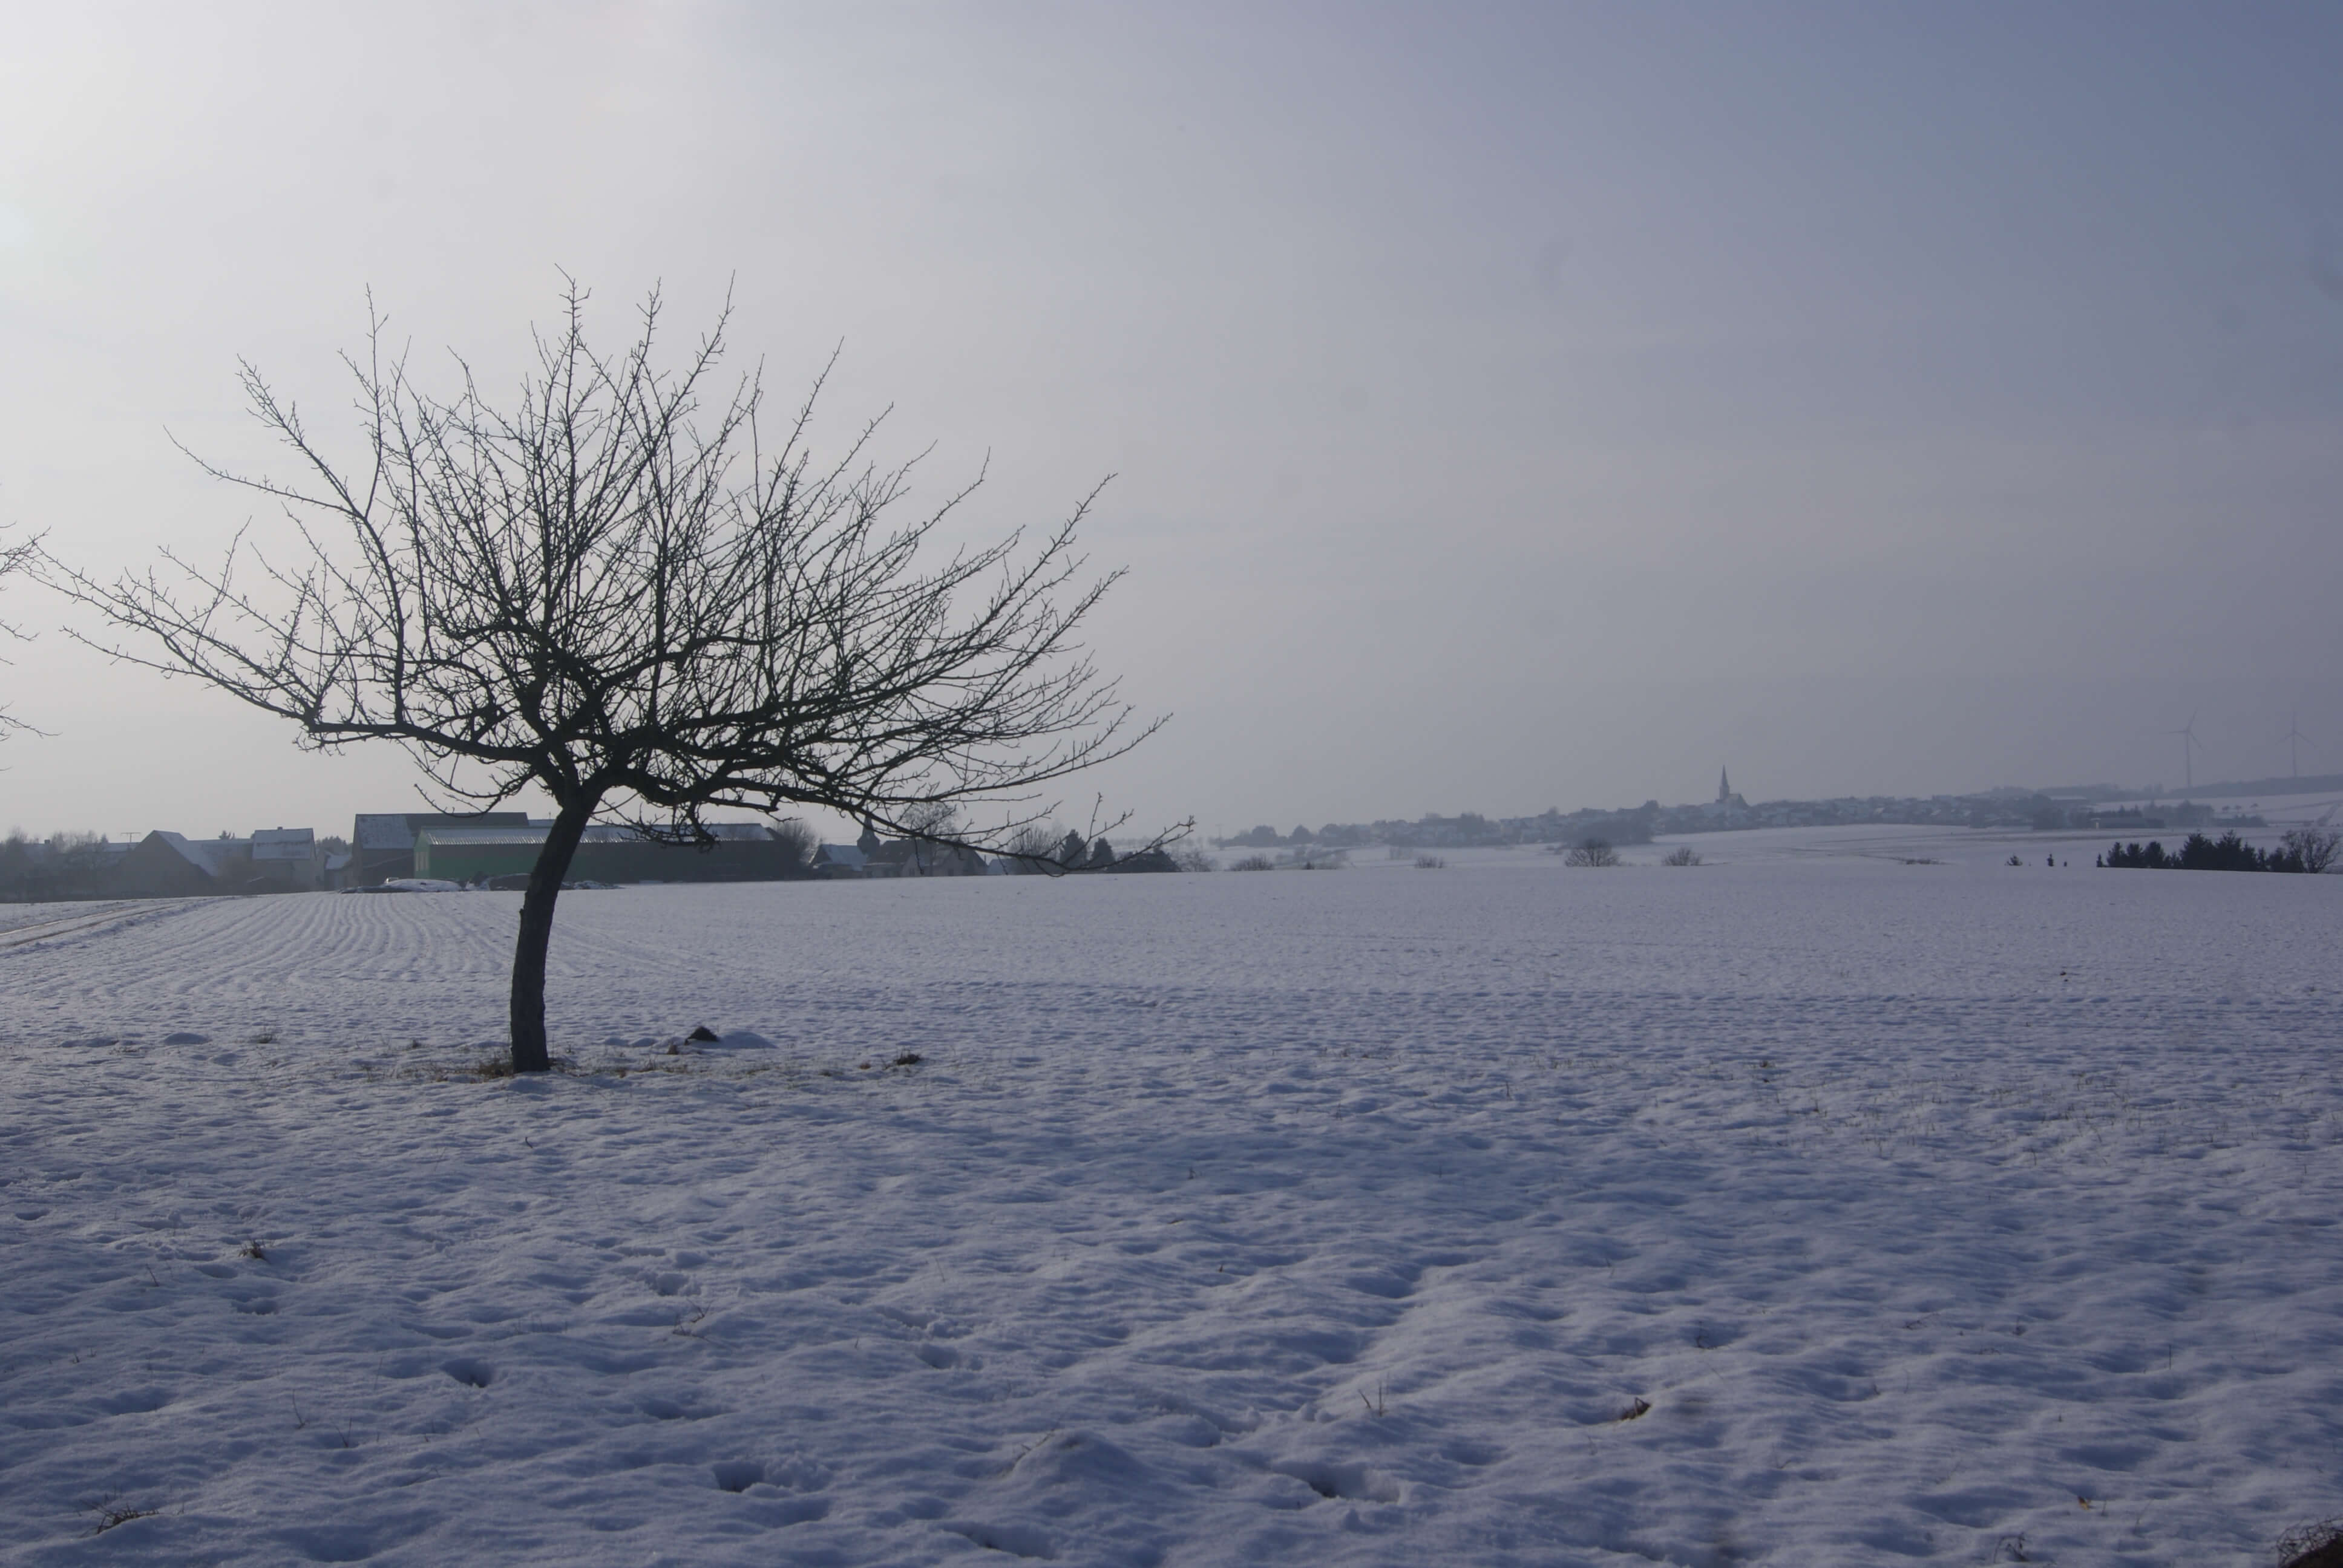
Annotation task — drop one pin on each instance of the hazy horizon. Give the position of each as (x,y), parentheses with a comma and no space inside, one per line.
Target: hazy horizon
(1510,407)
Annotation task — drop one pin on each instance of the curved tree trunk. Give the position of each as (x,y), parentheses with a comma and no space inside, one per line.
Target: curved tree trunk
(529,1053)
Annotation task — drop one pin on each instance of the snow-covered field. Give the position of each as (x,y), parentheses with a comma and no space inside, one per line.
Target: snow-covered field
(1944,1212)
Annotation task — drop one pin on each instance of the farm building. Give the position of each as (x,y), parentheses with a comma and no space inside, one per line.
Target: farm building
(382,844)
(743,852)
(287,861)
(172,866)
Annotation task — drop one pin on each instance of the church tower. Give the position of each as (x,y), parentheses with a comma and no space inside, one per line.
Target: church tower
(1723,788)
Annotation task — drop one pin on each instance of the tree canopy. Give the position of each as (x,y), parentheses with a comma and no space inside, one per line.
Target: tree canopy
(620,588)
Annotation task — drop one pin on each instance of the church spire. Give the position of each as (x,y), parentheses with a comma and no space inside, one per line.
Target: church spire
(1723,788)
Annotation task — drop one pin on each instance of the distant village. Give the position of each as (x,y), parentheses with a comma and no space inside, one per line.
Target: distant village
(2082,808)
(398,850)
(402,850)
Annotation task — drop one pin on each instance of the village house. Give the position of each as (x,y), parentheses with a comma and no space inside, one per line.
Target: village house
(846,863)
(163,865)
(871,856)
(286,860)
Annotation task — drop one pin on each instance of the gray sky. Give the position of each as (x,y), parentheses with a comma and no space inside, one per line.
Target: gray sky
(1513,407)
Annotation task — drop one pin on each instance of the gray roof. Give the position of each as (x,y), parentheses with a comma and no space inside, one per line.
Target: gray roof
(397,830)
(283,844)
(724,832)
(448,835)
(599,833)
(203,854)
(382,832)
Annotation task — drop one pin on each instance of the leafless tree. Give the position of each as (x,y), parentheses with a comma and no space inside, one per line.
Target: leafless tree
(620,590)
(14,558)
(2316,846)
(1592,852)
(938,820)
(799,846)
(1036,848)
(938,841)
(1030,850)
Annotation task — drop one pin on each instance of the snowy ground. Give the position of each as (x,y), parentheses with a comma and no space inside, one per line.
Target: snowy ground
(1944,1213)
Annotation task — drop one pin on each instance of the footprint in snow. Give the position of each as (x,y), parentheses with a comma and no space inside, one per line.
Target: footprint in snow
(1336,1482)
(471,1373)
(1016,1540)
(737,1475)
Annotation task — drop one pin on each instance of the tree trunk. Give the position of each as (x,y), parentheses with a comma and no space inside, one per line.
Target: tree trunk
(529,1053)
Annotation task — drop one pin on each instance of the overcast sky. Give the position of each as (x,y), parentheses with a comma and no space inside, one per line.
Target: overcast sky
(1510,407)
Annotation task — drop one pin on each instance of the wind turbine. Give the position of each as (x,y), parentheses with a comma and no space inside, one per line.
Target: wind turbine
(2189,746)
(2294,737)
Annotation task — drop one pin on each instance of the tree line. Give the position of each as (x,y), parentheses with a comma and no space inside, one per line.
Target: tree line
(2304,849)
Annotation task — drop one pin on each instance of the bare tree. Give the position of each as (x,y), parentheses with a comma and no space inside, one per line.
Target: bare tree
(14,558)
(1592,852)
(1031,848)
(798,845)
(937,843)
(2318,847)
(618,591)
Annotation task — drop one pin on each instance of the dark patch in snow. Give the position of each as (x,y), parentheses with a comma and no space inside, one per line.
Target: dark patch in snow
(469,1372)
(1355,1483)
(737,1474)
(1017,1540)
(676,1410)
(135,1401)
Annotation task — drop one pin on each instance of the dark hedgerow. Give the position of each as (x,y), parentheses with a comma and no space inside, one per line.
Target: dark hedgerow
(2228,852)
